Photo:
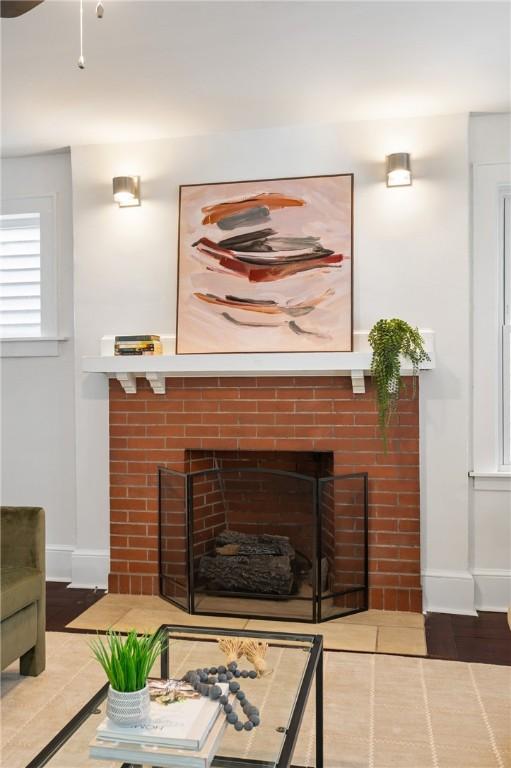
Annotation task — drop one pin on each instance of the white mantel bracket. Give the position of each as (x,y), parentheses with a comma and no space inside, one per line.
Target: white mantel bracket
(128,382)
(157,382)
(358,382)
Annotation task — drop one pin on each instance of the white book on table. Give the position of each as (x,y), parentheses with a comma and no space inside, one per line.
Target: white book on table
(184,724)
(159,755)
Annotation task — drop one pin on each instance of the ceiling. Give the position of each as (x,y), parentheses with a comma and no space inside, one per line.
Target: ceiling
(160,69)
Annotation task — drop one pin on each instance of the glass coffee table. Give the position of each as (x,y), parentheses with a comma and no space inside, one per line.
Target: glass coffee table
(283,738)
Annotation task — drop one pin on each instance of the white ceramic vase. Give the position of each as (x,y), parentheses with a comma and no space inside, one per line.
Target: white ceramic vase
(128,708)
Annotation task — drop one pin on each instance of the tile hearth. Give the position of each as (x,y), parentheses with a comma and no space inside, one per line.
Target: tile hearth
(372,631)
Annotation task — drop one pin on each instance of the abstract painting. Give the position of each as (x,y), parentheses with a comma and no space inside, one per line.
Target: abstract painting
(266,266)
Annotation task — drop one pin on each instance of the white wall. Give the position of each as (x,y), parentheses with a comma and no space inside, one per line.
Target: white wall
(37,430)
(490,489)
(411,260)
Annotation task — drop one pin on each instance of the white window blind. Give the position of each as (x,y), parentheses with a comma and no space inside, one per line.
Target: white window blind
(20,275)
(28,276)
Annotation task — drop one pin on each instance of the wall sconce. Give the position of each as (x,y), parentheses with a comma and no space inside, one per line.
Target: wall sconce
(126,190)
(398,170)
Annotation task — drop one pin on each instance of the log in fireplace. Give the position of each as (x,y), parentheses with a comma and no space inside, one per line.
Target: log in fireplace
(247,539)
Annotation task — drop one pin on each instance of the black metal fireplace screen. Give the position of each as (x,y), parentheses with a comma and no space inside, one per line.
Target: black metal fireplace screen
(263,543)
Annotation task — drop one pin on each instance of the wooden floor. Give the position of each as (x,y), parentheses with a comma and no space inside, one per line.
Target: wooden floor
(484,638)
(63,604)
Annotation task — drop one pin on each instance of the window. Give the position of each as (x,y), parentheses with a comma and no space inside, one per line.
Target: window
(20,274)
(491,298)
(27,269)
(506,334)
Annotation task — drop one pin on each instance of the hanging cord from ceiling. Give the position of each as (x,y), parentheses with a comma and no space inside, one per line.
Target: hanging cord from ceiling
(100,10)
(81,60)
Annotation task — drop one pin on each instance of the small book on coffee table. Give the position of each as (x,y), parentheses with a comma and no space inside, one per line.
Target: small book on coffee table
(157,754)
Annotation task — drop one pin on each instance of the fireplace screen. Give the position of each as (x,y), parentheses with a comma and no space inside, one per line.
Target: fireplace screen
(263,543)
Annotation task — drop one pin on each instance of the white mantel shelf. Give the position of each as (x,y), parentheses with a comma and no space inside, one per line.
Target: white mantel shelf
(159,367)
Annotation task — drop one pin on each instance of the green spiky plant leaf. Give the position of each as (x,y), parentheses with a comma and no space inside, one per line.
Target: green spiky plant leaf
(390,340)
(128,661)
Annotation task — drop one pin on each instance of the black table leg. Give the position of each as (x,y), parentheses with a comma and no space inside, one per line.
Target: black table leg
(319,712)
(164,658)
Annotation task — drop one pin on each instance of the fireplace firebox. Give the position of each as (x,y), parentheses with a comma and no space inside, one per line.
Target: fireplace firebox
(250,539)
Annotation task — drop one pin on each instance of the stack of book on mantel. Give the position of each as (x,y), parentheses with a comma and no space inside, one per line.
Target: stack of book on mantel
(182,734)
(138,345)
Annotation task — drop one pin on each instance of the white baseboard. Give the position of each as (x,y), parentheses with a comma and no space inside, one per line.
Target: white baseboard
(448,592)
(492,589)
(89,568)
(58,562)
(86,568)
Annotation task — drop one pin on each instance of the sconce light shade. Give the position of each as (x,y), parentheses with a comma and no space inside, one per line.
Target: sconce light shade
(126,190)
(398,170)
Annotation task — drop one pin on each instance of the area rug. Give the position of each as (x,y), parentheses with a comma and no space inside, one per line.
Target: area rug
(380,711)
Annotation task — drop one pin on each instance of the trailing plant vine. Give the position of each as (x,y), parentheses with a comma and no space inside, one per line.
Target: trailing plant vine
(390,340)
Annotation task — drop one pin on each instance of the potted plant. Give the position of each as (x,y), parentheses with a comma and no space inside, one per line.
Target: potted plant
(127,663)
(390,340)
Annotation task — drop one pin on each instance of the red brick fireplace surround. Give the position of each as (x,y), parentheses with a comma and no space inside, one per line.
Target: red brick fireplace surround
(318,413)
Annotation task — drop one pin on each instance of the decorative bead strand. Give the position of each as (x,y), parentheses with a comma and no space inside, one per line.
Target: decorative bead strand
(205,681)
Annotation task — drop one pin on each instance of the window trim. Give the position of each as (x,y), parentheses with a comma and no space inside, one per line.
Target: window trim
(505,330)
(45,206)
(47,344)
(40,346)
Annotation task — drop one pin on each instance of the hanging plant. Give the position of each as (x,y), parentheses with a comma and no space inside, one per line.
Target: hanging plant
(391,340)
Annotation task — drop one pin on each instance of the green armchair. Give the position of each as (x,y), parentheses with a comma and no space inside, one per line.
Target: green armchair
(23,606)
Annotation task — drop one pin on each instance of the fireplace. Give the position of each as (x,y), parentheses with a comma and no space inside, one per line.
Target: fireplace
(313,426)
(268,535)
